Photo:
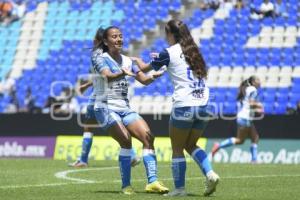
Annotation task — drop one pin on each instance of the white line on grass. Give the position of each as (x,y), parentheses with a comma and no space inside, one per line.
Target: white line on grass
(63,174)
(75,181)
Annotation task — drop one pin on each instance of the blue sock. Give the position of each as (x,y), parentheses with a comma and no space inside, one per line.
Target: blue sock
(178,171)
(125,167)
(86,146)
(202,160)
(227,143)
(150,164)
(133,153)
(253,150)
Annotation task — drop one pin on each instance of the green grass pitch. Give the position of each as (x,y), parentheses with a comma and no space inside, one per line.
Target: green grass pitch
(37,180)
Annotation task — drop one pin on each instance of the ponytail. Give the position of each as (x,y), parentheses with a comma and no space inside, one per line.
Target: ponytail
(98,39)
(242,89)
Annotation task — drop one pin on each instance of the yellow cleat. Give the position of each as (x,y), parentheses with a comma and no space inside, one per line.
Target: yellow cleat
(128,190)
(156,187)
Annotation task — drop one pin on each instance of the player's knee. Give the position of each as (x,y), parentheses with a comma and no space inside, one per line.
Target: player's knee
(125,143)
(190,148)
(149,138)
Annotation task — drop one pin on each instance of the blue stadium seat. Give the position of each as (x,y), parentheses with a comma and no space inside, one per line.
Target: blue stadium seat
(238,61)
(268,108)
(279,109)
(175,5)
(231,97)
(282,98)
(268,97)
(287,60)
(275,60)
(294,97)
(244,12)
(295,88)
(296,82)
(242,29)
(226,60)
(254,30)
(213,61)
(268,21)
(250,61)
(234,13)
(230,108)
(279,21)
(220,97)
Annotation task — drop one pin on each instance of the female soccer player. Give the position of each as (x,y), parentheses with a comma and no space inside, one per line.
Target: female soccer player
(248,103)
(90,118)
(88,134)
(112,108)
(189,115)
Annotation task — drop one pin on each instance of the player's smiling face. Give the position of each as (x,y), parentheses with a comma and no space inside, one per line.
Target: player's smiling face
(114,40)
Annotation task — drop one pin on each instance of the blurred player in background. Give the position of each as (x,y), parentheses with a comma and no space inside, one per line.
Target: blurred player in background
(189,116)
(112,109)
(90,116)
(248,106)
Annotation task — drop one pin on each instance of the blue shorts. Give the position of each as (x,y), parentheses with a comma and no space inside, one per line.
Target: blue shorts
(107,118)
(244,122)
(194,117)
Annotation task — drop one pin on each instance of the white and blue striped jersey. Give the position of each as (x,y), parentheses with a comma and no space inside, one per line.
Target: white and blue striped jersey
(96,61)
(245,111)
(113,94)
(189,90)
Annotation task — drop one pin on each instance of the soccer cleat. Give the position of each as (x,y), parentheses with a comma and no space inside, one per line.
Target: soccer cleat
(214,149)
(78,164)
(135,161)
(156,187)
(211,183)
(128,190)
(176,193)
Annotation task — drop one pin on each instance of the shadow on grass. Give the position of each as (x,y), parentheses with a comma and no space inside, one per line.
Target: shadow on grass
(107,192)
(120,192)
(140,192)
(194,195)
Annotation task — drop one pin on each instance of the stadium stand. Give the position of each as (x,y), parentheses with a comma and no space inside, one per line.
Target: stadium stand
(52,43)
(236,46)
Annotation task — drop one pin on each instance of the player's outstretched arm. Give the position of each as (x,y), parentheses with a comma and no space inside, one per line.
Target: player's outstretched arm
(113,76)
(82,88)
(147,79)
(145,67)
